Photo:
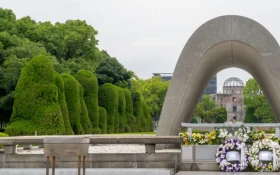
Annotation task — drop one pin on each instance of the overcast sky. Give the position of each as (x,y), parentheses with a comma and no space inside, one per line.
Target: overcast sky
(147,36)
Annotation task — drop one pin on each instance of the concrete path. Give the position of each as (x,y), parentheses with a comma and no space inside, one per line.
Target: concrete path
(224,173)
(96,171)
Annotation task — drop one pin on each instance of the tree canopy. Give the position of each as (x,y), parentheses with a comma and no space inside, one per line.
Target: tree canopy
(255,100)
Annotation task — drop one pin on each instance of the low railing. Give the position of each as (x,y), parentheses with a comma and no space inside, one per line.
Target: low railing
(10,143)
(190,126)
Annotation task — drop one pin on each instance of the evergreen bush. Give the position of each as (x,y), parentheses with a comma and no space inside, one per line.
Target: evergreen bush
(137,100)
(63,106)
(131,120)
(72,96)
(85,121)
(90,85)
(108,99)
(103,120)
(36,106)
(121,111)
(150,125)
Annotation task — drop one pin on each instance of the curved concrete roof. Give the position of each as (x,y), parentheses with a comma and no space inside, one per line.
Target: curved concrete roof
(223,42)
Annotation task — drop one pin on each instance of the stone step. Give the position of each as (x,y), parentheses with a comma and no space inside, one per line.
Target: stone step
(89,171)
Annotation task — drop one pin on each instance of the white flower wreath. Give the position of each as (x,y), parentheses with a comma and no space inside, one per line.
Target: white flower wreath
(228,145)
(264,144)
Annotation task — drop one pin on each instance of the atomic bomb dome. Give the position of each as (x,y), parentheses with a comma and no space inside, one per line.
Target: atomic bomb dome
(233,81)
(232,99)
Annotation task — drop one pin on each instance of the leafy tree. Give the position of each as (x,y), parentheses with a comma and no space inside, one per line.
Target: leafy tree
(208,111)
(249,116)
(90,86)
(108,99)
(103,120)
(72,96)
(111,71)
(131,120)
(154,92)
(255,99)
(36,106)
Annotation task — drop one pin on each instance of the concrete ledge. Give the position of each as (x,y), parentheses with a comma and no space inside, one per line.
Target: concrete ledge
(99,171)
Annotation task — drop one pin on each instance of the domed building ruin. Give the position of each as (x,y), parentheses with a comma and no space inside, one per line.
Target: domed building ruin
(232,99)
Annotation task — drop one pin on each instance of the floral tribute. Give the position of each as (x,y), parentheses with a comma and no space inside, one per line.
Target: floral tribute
(264,145)
(230,145)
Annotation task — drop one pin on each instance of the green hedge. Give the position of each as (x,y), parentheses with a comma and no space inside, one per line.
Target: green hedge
(63,106)
(3,135)
(108,99)
(36,106)
(137,100)
(131,120)
(90,85)
(72,96)
(122,112)
(85,121)
(103,120)
(144,119)
(150,125)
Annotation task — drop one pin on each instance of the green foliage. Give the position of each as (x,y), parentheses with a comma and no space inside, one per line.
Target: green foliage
(103,120)
(3,134)
(153,91)
(123,126)
(90,86)
(137,100)
(249,117)
(255,99)
(208,111)
(111,71)
(72,96)
(85,121)
(131,120)
(63,106)
(148,118)
(36,106)
(108,99)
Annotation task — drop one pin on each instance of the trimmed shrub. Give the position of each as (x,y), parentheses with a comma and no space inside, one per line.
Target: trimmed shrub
(85,121)
(137,100)
(90,85)
(150,125)
(103,120)
(63,106)
(72,96)
(3,135)
(108,99)
(131,120)
(144,122)
(121,111)
(36,106)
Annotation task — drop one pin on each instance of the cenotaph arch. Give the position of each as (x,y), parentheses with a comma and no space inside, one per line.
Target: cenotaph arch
(223,42)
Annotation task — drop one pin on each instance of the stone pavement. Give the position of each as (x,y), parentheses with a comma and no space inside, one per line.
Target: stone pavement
(224,173)
(90,171)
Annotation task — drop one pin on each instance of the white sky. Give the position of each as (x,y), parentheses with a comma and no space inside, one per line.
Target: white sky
(147,36)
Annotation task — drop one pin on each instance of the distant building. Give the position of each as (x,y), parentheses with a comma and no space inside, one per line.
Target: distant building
(232,99)
(210,89)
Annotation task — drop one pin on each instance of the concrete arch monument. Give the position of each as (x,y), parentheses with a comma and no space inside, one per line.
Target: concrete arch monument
(223,42)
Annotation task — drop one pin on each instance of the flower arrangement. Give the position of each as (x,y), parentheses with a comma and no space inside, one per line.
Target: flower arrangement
(264,144)
(219,135)
(223,149)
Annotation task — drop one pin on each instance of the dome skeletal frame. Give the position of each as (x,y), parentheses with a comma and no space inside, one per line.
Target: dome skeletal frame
(233,82)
